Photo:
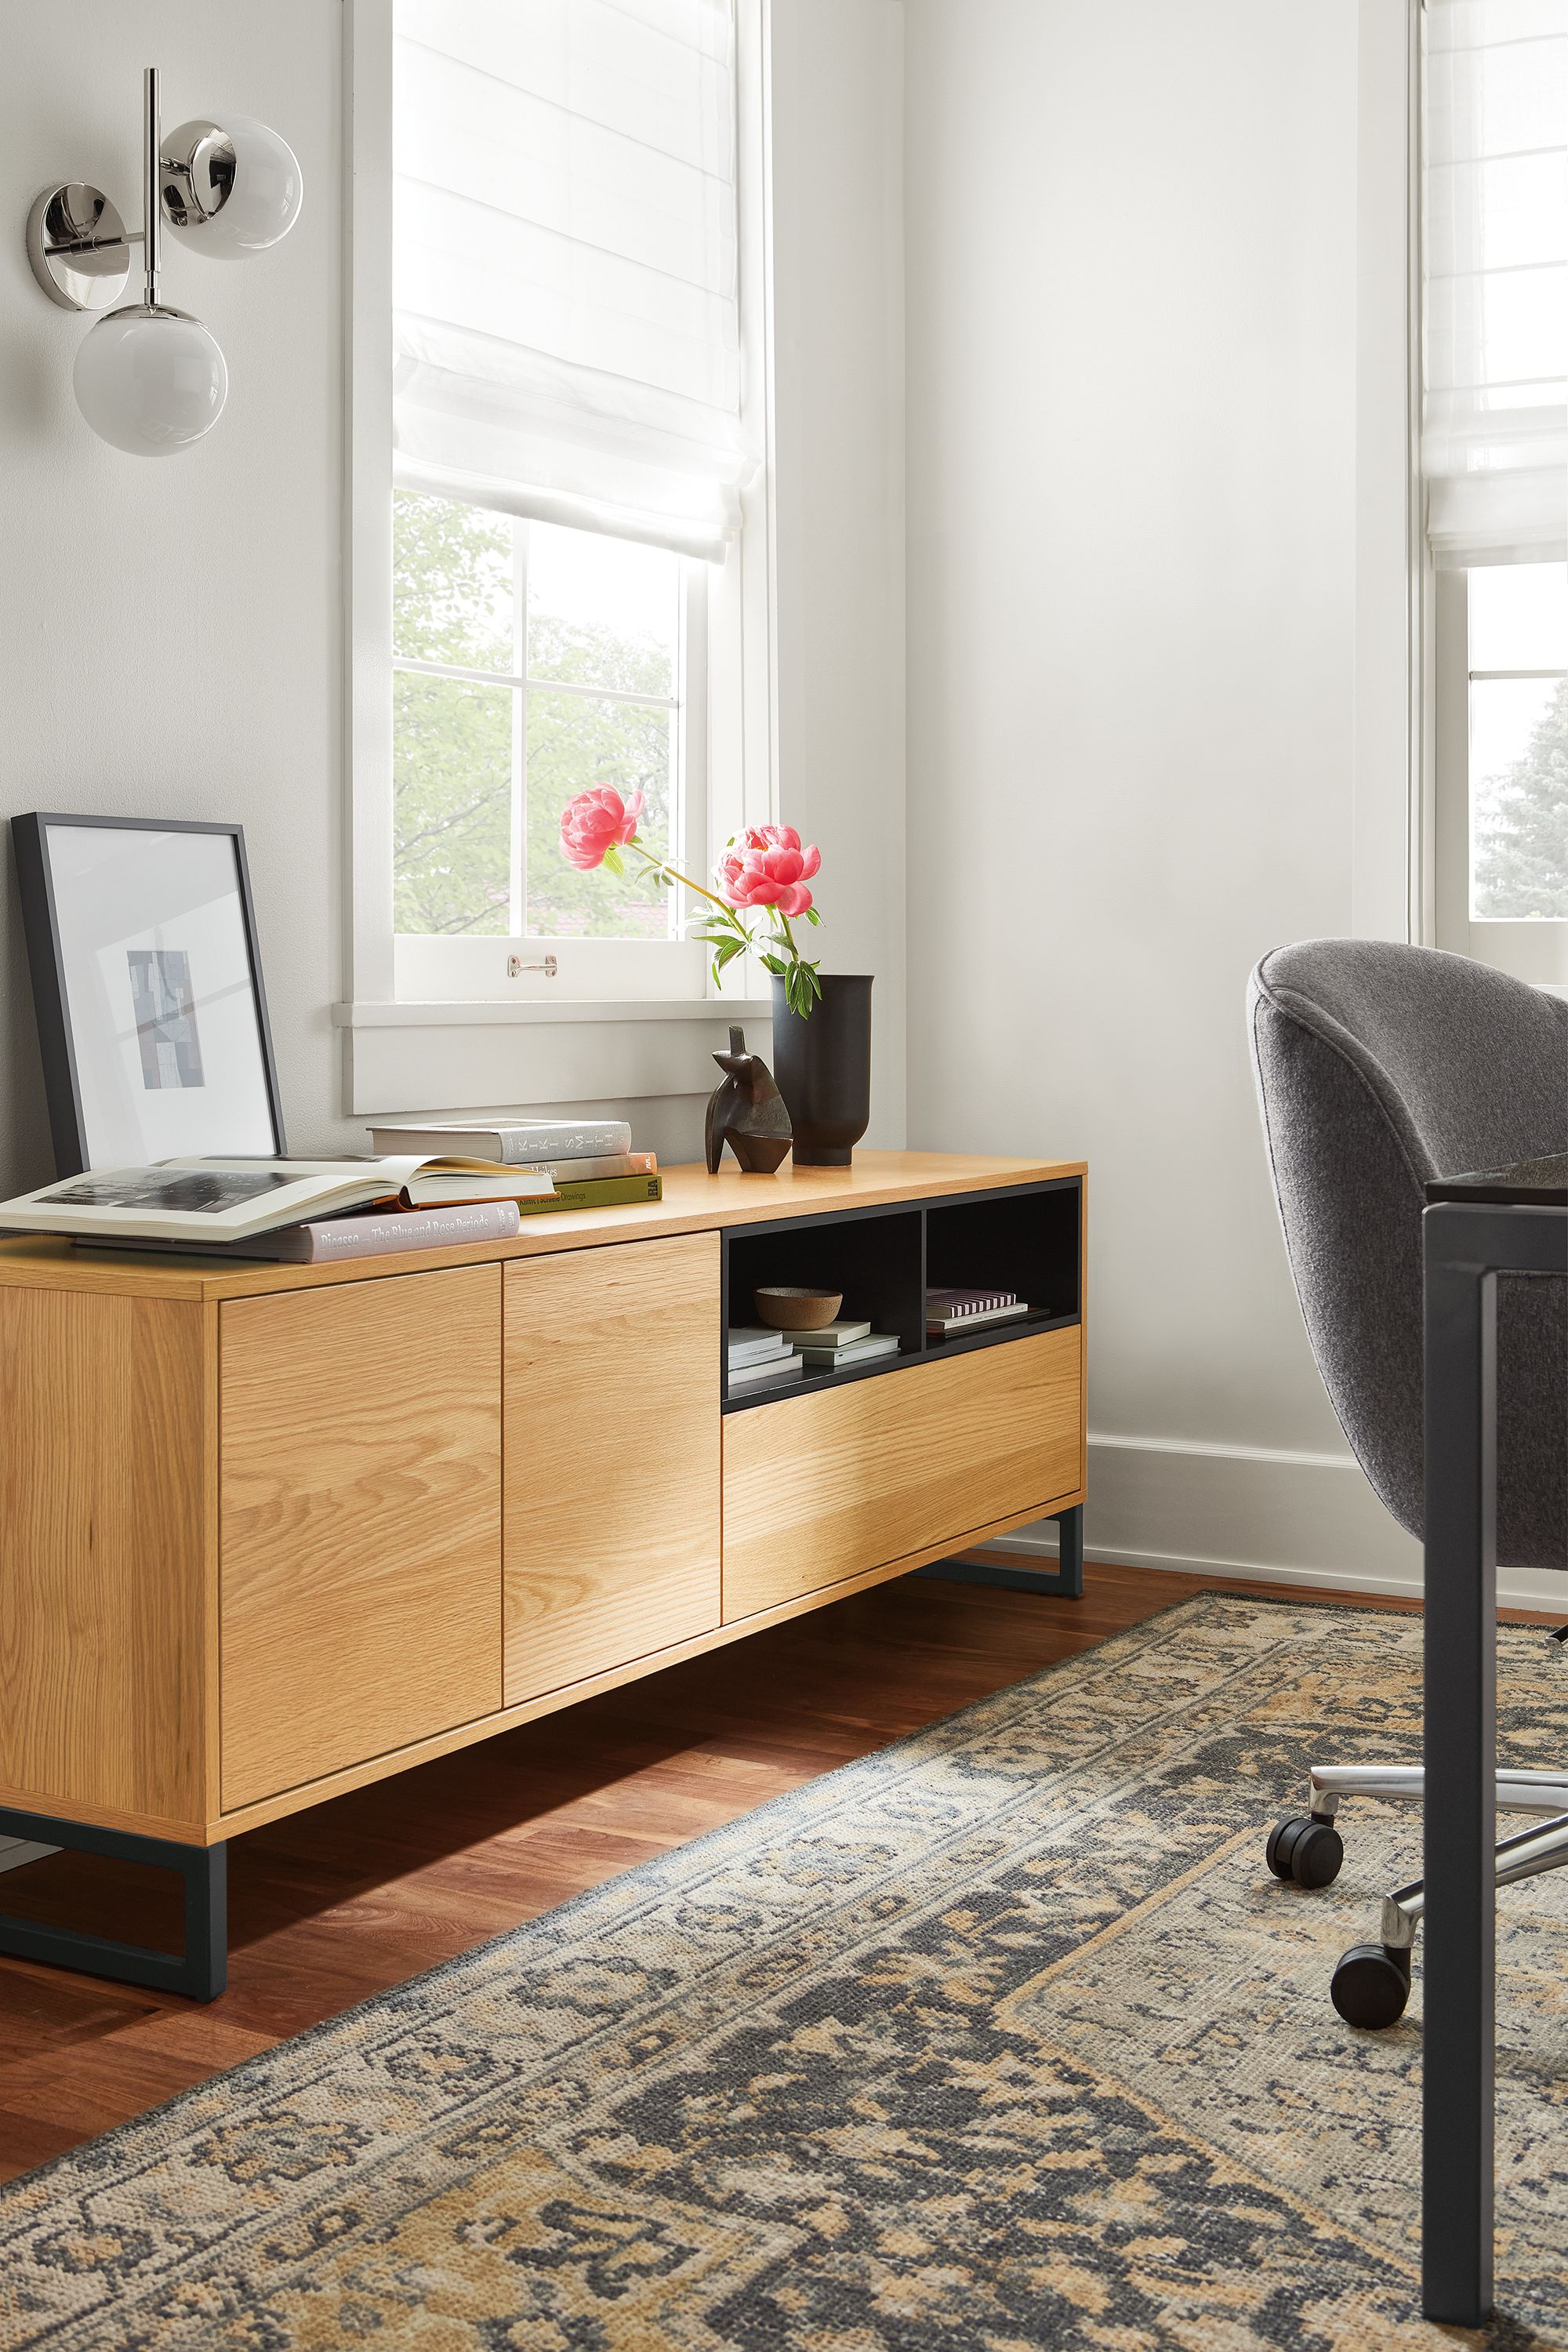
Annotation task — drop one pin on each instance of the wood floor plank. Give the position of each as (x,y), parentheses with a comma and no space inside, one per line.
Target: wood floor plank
(335,1903)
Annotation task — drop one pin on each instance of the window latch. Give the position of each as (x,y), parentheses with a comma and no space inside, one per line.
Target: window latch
(515,967)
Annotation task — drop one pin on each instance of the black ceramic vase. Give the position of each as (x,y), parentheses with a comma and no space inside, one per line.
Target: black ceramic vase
(823,1066)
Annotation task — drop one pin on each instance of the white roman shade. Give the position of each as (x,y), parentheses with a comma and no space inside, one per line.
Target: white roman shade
(566,328)
(1495,420)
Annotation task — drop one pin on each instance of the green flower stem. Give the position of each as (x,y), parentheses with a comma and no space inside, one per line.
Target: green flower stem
(660,866)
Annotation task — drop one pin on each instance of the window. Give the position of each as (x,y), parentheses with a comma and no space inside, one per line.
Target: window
(1494,456)
(530,662)
(572,460)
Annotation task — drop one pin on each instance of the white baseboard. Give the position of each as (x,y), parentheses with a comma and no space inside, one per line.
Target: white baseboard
(1284,1518)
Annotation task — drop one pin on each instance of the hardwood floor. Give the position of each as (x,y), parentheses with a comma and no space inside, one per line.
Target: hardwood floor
(341,1901)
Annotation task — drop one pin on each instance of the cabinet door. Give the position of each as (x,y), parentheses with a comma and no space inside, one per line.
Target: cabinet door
(612,1456)
(361,1521)
(828,1486)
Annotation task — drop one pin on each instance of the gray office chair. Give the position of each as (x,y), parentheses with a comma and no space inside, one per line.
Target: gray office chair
(1380,1067)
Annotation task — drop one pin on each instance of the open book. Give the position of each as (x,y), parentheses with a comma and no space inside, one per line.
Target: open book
(229,1200)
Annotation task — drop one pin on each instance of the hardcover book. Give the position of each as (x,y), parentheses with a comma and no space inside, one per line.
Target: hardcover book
(598,1193)
(859,1352)
(779,1368)
(327,1241)
(514,1142)
(956,1305)
(938,1327)
(831,1335)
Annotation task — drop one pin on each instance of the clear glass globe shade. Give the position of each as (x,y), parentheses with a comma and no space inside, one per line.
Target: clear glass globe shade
(259,192)
(150,381)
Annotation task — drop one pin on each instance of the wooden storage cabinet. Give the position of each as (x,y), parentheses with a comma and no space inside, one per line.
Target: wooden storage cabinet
(612,1457)
(823,1487)
(269,1532)
(359,1449)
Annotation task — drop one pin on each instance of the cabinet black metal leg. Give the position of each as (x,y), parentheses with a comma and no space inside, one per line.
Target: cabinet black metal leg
(1066,1580)
(201,1971)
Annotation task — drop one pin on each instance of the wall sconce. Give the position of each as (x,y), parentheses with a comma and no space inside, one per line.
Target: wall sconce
(150,379)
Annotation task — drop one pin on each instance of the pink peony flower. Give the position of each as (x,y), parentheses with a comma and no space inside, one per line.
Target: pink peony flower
(766,866)
(592,820)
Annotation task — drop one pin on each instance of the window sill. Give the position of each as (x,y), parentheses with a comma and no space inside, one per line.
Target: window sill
(501,1012)
(417,1057)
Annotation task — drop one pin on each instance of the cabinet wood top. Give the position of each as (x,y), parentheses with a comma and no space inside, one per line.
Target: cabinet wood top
(693,1202)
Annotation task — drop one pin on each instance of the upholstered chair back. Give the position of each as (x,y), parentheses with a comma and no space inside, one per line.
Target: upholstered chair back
(1379,1067)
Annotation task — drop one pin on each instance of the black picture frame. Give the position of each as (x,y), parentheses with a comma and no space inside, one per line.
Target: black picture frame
(41,922)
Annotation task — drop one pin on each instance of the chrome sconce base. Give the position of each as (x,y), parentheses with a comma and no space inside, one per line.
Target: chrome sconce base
(79,246)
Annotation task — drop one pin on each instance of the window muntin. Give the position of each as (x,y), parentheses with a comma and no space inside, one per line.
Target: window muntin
(530,662)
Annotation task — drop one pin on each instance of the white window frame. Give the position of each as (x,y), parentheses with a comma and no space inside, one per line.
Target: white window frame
(1391,865)
(1410,859)
(605,1026)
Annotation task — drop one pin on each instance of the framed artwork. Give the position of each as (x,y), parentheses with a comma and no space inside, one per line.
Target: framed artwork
(147,986)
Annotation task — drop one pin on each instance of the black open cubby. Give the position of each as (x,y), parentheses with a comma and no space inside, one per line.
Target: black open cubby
(1024,1237)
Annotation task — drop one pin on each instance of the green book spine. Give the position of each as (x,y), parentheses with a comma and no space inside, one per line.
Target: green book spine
(597,1192)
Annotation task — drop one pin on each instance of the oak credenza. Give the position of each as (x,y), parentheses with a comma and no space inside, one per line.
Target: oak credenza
(270,1532)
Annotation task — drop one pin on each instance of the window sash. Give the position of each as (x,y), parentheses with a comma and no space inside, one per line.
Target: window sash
(1534,950)
(467,966)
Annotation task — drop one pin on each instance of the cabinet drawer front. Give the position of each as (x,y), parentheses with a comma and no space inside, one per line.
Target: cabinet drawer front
(612,1457)
(361,1521)
(821,1488)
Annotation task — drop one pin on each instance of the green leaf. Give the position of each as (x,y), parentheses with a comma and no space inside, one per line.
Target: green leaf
(614,861)
(812,916)
(775,964)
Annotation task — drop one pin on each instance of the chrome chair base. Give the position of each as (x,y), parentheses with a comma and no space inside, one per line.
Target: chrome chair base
(1372,1982)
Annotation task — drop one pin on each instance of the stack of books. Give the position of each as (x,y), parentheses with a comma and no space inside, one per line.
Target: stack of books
(834,1347)
(430,1185)
(590,1161)
(756,1357)
(952,1311)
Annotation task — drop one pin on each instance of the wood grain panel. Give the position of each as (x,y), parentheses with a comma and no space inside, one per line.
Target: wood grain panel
(361,1522)
(104,1560)
(825,1486)
(612,1457)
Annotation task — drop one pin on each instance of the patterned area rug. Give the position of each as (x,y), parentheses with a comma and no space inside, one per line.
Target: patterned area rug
(1001,2037)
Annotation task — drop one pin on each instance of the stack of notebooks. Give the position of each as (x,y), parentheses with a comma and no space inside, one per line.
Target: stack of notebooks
(953,1312)
(758,1357)
(755,1358)
(837,1345)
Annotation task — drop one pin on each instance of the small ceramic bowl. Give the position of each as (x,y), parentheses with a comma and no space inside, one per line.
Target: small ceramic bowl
(788,1309)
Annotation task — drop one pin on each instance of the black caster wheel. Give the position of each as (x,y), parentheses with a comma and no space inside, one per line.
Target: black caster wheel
(1304,1852)
(1371,1986)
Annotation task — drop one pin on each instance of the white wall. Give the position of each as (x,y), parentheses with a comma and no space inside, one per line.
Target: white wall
(172,632)
(838,375)
(1132,336)
(171,629)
